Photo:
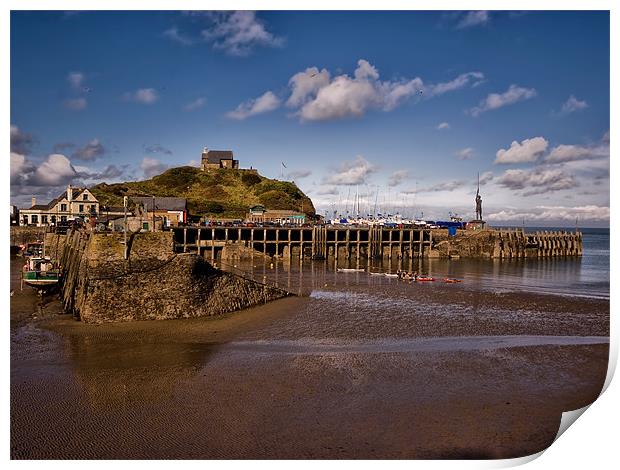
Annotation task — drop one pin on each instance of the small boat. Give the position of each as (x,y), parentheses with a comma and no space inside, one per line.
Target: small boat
(451,280)
(425,279)
(350,270)
(391,275)
(31,249)
(376,274)
(41,273)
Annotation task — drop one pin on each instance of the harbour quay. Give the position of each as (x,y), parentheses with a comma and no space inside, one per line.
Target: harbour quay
(363,242)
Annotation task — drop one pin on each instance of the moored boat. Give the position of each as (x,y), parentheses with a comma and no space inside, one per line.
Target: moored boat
(424,279)
(41,273)
(350,270)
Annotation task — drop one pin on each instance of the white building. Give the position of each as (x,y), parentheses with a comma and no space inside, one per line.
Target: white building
(74,202)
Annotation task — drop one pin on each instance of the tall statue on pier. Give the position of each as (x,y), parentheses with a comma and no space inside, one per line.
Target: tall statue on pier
(478,201)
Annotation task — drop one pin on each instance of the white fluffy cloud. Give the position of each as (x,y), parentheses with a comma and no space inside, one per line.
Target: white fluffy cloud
(446,186)
(152,166)
(237,33)
(514,94)
(473,18)
(21,142)
(55,170)
(143,95)
(568,153)
(465,154)
(529,150)
(443,125)
(553,213)
(263,104)
(537,181)
(195,104)
(572,104)
(89,152)
(485,177)
(318,96)
(352,172)
(398,177)
(305,84)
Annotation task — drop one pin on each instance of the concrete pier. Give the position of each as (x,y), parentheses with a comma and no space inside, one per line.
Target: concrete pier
(355,243)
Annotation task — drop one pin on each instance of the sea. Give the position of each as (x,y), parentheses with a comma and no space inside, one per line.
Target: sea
(585,277)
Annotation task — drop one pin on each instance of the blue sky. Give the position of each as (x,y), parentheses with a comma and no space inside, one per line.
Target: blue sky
(410,104)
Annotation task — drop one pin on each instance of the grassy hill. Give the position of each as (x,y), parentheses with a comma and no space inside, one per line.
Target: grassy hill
(217,193)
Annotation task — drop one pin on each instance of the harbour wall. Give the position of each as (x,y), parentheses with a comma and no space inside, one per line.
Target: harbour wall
(99,285)
(328,242)
(23,235)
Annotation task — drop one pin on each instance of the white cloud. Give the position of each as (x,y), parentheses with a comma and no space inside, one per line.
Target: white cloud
(537,180)
(195,104)
(527,151)
(76,104)
(237,33)
(20,168)
(459,82)
(442,125)
(152,167)
(21,142)
(553,213)
(263,104)
(305,84)
(55,170)
(143,95)
(398,177)
(465,154)
(446,186)
(76,79)
(473,18)
(486,177)
(90,151)
(299,174)
(174,34)
(514,94)
(352,172)
(568,153)
(319,97)
(572,104)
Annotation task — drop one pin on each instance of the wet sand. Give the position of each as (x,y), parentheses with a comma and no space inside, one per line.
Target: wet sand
(446,373)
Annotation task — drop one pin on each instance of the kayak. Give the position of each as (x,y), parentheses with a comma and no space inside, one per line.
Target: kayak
(350,270)
(390,275)
(451,281)
(425,279)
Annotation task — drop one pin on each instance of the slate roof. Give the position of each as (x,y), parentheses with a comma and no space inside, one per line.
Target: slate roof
(75,195)
(215,156)
(162,203)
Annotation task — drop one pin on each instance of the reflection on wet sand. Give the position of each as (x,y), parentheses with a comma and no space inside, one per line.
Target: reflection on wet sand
(363,367)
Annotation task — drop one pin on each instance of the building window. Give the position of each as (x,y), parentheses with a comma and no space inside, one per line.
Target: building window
(53,219)
(63,208)
(85,197)
(35,219)
(43,219)
(145,225)
(92,208)
(25,220)
(63,218)
(81,208)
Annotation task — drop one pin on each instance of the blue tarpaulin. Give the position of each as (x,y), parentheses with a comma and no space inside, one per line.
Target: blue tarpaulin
(452,231)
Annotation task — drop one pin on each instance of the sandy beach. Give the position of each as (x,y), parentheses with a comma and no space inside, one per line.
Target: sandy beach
(461,375)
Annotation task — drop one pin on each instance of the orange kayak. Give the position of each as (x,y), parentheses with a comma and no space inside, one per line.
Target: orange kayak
(427,279)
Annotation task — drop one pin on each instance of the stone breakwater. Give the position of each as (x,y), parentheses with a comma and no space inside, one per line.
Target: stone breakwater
(154,283)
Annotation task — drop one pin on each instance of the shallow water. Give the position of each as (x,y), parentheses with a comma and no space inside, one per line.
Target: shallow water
(584,277)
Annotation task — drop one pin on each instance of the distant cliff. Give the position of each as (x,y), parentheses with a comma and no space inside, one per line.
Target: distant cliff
(220,193)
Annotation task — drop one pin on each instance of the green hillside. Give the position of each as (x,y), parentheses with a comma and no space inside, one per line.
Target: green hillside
(217,193)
